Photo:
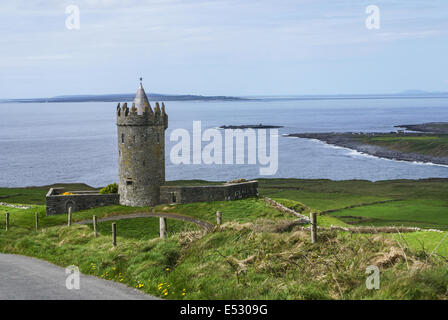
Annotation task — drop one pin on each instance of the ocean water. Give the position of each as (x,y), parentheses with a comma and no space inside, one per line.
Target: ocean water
(42,144)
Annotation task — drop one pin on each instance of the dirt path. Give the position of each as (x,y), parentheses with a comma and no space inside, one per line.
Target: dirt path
(203,224)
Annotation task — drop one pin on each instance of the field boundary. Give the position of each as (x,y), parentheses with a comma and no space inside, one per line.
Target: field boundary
(302,218)
(375,230)
(203,224)
(15,206)
(359,205)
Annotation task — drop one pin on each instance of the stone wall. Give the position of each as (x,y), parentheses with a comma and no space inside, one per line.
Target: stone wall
(188,194)
(302,218)
(83,200)
(80,200)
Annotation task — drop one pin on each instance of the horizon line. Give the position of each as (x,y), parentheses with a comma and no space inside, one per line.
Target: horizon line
(406,93)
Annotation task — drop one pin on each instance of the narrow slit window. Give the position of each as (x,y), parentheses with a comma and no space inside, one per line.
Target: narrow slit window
(122,138)
(174,195)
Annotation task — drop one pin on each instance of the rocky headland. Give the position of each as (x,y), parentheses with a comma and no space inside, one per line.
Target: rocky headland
(355,141)
(434,127)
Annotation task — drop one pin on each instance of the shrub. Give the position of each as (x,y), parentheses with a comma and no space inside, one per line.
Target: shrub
(111,188)
(241,180)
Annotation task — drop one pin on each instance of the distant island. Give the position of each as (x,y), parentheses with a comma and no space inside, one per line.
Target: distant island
(122,97)
(250,126)
(429,145)
(410,94)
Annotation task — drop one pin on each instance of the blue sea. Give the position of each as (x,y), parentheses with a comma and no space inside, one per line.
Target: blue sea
(46,143)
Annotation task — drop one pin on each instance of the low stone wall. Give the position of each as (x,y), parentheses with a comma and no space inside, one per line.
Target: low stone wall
(15,206)
(188,194)
(280,207)
(80,200)
(83,200)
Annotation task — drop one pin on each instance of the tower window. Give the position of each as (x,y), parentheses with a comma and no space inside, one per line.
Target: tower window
(174,196)
(158,137)
(122,138)
(129,181)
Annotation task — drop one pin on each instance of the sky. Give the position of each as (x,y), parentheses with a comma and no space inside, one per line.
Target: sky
(222,47)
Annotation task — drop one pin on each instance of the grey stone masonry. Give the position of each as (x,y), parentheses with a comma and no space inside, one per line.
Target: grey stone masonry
(141,153)
(80,200)
(188,194)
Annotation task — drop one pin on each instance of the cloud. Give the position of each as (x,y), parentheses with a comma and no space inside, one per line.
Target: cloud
(231,34)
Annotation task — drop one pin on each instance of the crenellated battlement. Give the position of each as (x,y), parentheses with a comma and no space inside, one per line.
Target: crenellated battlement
(148,117)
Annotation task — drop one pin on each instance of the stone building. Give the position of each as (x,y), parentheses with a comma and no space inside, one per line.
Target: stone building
(141,151)
(57,202)
(141,167)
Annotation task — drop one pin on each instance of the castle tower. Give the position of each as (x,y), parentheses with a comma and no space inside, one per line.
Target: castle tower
(141,151)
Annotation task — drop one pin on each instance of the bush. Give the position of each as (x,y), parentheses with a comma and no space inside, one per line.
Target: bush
(111,188)
(241,180)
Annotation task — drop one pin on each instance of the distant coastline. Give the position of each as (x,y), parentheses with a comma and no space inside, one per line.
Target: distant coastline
(121,98)
(398,147)
(190,97)
(250,126)
(434,127)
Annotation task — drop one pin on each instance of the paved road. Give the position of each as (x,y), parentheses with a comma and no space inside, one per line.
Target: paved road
(28,278)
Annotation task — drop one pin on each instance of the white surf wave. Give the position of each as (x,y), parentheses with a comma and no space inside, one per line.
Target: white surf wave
(356,153)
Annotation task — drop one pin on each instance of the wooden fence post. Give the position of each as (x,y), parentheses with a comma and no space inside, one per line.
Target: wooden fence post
(37,220)
(7,221)
(313,227)
(95,230)
(163,232)
(114,234)
(218,218)
(69,218)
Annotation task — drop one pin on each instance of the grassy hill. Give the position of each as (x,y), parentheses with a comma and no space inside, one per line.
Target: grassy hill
(259,252)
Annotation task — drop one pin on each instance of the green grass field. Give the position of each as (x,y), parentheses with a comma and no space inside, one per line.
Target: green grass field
(36,195)
(418,203)
(257,253)
(430,144)
(144,228)
(239,211)
(425,213)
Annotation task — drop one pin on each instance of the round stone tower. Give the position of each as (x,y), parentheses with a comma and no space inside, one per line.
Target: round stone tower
(141,151)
